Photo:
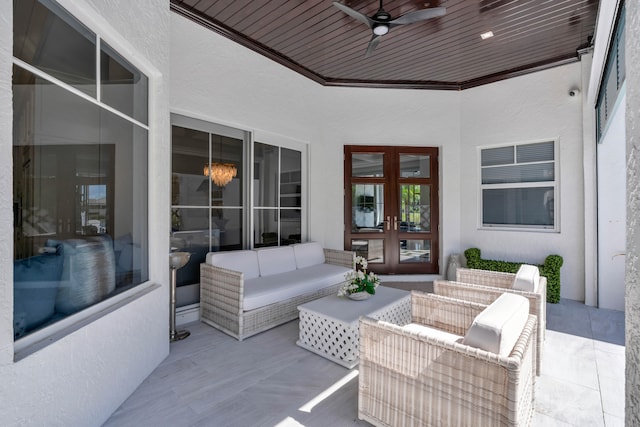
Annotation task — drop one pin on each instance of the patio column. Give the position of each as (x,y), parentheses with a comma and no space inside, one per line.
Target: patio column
(632,299)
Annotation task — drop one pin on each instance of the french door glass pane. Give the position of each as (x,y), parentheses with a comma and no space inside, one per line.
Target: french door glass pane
(265,175)
(414,251)
(414,166)
(415,208)
(368,208)
(367,164)
(518,206)
(55,42)
(370,249)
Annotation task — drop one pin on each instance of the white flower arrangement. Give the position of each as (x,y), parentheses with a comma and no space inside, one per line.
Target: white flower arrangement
(358,280)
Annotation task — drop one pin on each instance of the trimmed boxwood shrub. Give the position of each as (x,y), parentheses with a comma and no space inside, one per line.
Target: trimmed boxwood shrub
(550,269)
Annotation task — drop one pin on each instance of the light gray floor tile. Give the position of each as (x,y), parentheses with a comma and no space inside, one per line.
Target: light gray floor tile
(570,358)
(613,421)
(211,379)
(541,420)
(565,401)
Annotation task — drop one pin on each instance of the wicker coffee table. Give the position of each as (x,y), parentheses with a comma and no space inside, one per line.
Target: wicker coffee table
(329,326)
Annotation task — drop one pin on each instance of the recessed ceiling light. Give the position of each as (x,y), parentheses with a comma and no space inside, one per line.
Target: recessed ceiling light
(486,35)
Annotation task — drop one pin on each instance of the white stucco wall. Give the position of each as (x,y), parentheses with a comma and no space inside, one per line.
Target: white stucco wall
(217,80)
(6,180)
(356,116)
(528,108)
(83,377)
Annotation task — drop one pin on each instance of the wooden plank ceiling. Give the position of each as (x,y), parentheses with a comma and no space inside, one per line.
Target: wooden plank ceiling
(318,40)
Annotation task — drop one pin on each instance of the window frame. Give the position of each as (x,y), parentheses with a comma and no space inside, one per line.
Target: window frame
(291,144)
(253,137)
(481,225)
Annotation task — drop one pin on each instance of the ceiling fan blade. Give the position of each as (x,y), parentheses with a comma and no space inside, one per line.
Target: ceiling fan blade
(373,43)
(419,15)
(354,14)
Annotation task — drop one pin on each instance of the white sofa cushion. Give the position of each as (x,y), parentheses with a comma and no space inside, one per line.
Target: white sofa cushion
(276,260)
(262,291)
(497,328)
(527,278)
(242,261)
(308,254)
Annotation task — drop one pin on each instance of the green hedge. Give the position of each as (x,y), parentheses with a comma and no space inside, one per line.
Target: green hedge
(550,269)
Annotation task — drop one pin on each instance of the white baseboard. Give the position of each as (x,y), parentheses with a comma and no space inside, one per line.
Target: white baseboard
(187,314)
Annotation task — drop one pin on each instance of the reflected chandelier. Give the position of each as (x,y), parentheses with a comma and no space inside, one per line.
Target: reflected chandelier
(221,173)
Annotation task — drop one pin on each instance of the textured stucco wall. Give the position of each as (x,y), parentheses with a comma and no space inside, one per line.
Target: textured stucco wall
(6,179)
(632,279)
(232,85)
(83,377)
(532,107)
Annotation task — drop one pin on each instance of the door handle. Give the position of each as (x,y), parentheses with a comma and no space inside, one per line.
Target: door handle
(395,222)
(388,222)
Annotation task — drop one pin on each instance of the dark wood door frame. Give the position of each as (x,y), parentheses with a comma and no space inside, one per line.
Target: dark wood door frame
(392,234)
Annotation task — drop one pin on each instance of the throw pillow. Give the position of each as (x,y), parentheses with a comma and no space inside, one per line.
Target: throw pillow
(36,282)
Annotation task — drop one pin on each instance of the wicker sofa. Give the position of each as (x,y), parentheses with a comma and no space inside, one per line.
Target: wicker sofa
(431,372)
(485,286)
(243,293)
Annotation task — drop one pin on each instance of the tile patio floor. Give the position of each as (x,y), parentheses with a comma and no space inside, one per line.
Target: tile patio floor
(210,379)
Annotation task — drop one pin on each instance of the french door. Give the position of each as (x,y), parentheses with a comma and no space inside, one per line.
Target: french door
(391,207)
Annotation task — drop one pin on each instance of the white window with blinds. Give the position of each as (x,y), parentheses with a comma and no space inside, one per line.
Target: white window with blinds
(519,186)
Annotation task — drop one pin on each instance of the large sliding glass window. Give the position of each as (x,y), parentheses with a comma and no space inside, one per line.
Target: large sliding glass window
(207,192)
(80,140)
(277,187)
(220,203)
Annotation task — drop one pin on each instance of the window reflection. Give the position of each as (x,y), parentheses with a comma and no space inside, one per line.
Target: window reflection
(367,165)
(80,232)
(415,251)
(55,42)
(414,166)
(277,185)
(205,217)
(367,208)
(415,208)
(370,249)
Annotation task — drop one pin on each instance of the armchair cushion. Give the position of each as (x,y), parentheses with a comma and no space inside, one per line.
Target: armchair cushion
(527,278)
(497,328)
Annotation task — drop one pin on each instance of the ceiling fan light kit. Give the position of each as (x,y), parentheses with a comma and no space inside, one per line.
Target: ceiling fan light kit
(380,29)
(381,22)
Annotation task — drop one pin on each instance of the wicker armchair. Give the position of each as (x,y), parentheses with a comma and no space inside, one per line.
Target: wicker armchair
(413,377)
(484,287)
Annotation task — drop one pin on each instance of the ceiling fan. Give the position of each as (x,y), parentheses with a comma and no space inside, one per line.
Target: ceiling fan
(381,22)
